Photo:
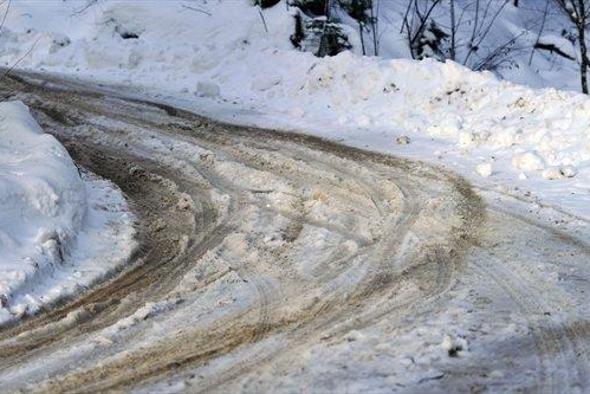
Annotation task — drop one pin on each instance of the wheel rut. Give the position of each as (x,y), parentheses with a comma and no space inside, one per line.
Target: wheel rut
(255,246)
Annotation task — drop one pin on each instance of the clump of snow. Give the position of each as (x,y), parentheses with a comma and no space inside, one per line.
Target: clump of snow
(528,161)
(42,198)
(454,345)
(559,172)
(148,310)
(403,140)
(484,169)
(207,89)
(50,218)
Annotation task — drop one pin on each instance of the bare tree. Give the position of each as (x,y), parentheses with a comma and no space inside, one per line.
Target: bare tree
(578,14)
(374,20)
(365,13)
(498,56)
(484,19)
(326,39)
(415,23)
(459,39)
(543,20)
(453,49)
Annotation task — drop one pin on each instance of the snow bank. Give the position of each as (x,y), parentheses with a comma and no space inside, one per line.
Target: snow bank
(540,128)
(43,210)
(42,197)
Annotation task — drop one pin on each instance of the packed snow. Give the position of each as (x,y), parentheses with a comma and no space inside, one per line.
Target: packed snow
(525,141)
(59,231)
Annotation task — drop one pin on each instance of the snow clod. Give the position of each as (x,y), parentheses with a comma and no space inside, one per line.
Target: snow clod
(484,169)
(454,345)
(207,89)
(528,161)
(403,140)
(553,173)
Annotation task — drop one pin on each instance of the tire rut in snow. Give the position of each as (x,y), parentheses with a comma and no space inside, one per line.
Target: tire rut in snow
(254,244)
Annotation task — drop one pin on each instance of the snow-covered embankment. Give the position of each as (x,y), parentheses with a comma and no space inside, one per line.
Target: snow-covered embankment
(59,231)
(531,143)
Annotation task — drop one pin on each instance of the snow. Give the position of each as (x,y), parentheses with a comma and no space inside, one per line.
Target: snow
(451,114)
(61,231)
(454,345)
(528,161)
(484,169)
(52,220)
(222,62)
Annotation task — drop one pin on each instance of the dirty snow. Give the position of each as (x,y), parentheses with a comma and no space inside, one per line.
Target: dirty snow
(506,138)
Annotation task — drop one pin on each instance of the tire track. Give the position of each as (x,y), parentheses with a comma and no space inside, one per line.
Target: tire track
(258,243)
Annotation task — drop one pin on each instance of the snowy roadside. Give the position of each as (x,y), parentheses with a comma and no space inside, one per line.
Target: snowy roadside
(59,231)
(532,143)
(561,202)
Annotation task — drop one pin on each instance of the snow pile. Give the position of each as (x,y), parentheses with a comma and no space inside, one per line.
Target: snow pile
(42,196)
(539,129)
(44,207)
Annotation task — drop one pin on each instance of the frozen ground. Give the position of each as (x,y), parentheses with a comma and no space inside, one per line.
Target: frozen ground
(59,231)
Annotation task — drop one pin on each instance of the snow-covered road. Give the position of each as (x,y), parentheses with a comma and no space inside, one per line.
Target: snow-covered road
(279,262)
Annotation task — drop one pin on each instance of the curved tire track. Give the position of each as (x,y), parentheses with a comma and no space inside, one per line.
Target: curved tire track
(273,241)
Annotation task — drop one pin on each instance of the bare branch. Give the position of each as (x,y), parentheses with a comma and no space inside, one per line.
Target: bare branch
(11,68)
(188,7)
(89,4)
(5,14)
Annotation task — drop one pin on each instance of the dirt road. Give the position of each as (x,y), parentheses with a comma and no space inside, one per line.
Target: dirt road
(280,262)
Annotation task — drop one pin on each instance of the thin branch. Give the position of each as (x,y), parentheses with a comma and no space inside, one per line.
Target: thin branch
(540,31)
(481,35)
(89,4)
(5,14)
(188,7)
(263,20)
(553,49)
(11,68)
(489,62)
(401,30)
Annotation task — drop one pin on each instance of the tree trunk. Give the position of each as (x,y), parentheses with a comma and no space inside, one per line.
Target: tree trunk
(374,29)
(581,25)
(325,41)
(362,38)
(584,61)
(453,31)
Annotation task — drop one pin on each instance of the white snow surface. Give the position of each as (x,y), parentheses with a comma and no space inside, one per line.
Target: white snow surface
(58,231)
(216,57)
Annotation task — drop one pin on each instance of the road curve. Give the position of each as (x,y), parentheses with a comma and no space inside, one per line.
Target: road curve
(271,261)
